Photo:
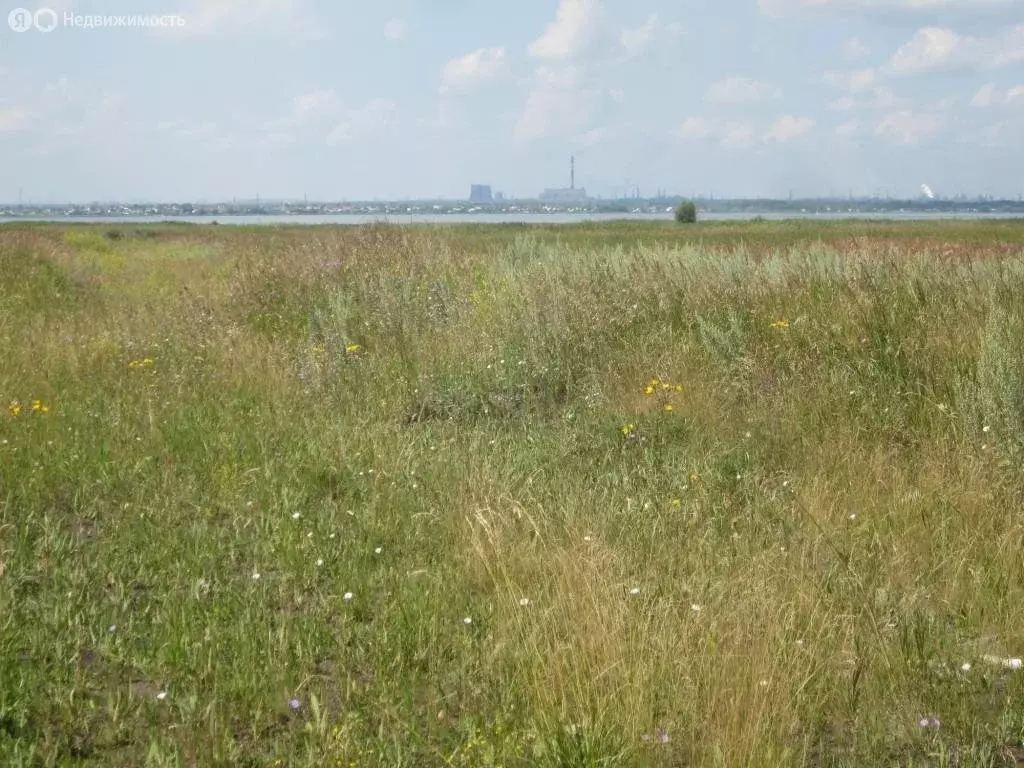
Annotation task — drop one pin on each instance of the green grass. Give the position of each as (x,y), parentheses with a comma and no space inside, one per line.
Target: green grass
(598,495)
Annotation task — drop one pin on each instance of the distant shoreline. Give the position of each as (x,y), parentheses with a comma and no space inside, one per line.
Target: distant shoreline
(354,219)
(445,210)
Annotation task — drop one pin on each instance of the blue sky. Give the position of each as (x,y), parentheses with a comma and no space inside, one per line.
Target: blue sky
(338,99)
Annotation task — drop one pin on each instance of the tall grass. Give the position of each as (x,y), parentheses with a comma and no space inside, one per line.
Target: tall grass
(431,496)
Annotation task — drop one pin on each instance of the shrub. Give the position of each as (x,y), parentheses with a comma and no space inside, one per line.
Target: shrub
(686,213)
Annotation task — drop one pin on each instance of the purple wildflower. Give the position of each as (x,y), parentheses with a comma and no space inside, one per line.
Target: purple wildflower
(294,704)
(930,722)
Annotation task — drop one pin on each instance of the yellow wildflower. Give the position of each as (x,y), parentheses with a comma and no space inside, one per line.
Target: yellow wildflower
(14,408)
(676,502)
(679,387)
(648,390)
(628,428)
(780,324)
(669,408)
(694,477)
(352,348)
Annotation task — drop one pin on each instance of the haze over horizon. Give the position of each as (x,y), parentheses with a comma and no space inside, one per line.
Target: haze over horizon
(415,99)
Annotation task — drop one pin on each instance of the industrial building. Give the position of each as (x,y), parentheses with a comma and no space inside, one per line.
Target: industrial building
(480,193)
(563,194)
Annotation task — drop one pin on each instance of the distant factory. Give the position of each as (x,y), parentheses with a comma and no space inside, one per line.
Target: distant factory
(482,194)
(563,194)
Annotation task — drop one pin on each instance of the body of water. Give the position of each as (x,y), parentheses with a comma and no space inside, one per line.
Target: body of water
(510,218)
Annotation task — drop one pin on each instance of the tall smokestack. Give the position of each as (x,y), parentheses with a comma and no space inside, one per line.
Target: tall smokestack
(572,172)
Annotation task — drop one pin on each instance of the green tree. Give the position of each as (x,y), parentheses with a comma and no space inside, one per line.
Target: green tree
(686,213)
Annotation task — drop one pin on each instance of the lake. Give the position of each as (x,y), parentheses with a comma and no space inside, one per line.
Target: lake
(511,218)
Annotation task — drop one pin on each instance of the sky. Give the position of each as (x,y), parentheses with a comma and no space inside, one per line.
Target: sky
(419,99)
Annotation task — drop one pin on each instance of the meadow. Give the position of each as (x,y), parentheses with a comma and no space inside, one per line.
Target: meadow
(478,496)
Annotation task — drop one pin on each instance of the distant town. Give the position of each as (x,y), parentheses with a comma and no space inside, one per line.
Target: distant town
(483,199)
(638,206)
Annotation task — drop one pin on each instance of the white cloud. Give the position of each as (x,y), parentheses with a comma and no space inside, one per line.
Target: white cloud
(60,111)
(309,106)
(929,48)
(848,129)
(740,90)
(852,81)
(363,121)
(307,109)
(473,68)
(1001,134)
(934,48)
(788,127)
(854,49)
(204,130)
(738,136)
(863,91)
(14,119)
(396,30)
(317,114)
(780,7)
(286,18)
(696,128)
(635,40)
(560,102)
(990,96)
(105,109)
(593,137)
(447,114)
(880,97)
(908,128)
(985,96)
(570,31)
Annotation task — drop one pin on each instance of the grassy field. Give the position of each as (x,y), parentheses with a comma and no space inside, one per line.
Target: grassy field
(597,495)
